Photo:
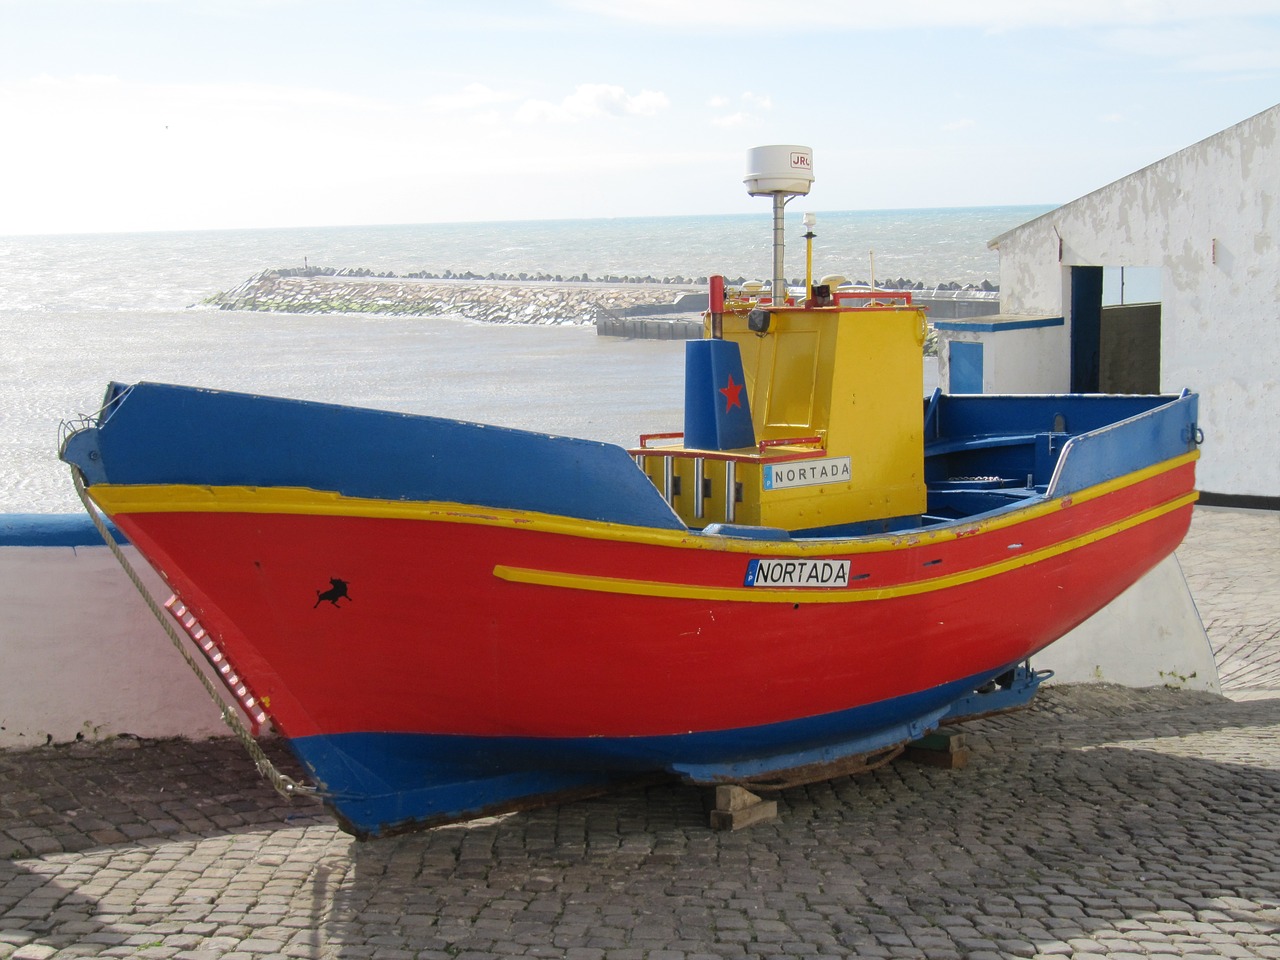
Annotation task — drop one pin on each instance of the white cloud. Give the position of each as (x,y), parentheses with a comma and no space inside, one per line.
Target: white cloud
(746,115)
(474,96)
(100,152)
(105,153)
(88,93)
(590,101)
(961,123)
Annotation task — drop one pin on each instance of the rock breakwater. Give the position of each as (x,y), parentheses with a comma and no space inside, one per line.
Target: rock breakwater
(537,301)
(901,283)
(634,307)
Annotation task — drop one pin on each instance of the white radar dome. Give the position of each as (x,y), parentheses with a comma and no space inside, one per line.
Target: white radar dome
(780,168)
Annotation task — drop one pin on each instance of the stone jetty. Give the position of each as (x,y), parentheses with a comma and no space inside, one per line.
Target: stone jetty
(668,308)
(533,301)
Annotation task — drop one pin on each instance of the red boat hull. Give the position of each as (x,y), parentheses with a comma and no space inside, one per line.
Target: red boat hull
(440,633)
(448,618)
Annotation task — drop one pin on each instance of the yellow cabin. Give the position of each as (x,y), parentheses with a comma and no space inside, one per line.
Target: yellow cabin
(835,436)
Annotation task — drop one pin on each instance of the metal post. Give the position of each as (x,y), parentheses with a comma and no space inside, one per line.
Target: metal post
(698,469)
(779,236)
(730,491)
(715,303)
(809,221)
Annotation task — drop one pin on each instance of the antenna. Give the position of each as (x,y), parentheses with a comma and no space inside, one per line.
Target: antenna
(781,171)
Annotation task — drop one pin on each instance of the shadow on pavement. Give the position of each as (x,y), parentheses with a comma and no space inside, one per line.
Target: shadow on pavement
(1100,822)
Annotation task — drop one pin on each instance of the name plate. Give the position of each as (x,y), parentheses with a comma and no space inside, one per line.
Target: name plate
(796,572)
(807,473)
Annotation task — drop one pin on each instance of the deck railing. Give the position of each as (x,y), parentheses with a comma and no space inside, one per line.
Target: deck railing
(730,458)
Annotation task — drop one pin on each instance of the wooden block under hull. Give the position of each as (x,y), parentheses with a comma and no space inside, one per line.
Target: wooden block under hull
(736,808)
(943,748)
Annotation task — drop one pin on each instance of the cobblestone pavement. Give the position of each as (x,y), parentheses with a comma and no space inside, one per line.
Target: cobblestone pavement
(1102,822)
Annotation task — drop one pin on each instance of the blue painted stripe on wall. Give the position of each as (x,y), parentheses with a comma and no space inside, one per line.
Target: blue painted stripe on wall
(52,530)
(999,326)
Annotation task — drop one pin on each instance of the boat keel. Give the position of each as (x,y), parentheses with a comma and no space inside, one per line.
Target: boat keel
(380,784)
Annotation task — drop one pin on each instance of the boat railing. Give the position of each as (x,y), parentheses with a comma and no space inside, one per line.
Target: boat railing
(874,298)
(869,298)
(672,451)
(748,455)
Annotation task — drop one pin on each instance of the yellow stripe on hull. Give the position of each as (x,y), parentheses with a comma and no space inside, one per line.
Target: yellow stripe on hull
(656,588)
(118,499)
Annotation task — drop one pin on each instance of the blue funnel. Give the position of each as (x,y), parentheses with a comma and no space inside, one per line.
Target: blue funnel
(717,415)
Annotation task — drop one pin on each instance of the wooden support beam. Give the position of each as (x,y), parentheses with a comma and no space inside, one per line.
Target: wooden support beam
(943,748)
(736,807)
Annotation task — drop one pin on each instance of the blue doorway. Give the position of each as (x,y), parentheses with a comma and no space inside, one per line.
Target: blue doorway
(965,367)
(1086,329)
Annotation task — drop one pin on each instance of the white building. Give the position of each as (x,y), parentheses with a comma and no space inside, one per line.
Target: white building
(1164,280)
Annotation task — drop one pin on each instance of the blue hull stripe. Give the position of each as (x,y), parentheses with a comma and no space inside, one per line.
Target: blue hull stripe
(383,782)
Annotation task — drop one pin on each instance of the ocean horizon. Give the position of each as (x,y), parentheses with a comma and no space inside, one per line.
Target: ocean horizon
(982,210)
(181,268)
(80,310)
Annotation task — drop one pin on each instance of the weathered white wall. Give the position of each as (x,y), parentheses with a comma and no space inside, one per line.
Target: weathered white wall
(1209,218)
(82,655)
(1149,636)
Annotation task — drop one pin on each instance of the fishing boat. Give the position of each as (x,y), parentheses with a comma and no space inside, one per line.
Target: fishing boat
(446,619)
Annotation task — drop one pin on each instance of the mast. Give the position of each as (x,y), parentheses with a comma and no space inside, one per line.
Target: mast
(781,171)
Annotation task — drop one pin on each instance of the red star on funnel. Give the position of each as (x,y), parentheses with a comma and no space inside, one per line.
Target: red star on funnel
(732,395)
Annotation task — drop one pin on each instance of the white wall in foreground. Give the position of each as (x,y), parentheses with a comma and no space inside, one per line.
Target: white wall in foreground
(81,654)
(1150,636)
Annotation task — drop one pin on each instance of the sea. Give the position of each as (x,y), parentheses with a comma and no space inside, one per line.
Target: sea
(80,310)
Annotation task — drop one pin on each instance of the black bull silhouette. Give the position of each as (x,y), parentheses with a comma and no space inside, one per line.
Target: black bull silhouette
(337,591)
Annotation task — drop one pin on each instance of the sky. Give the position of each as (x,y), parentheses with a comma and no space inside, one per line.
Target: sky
(139,115)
